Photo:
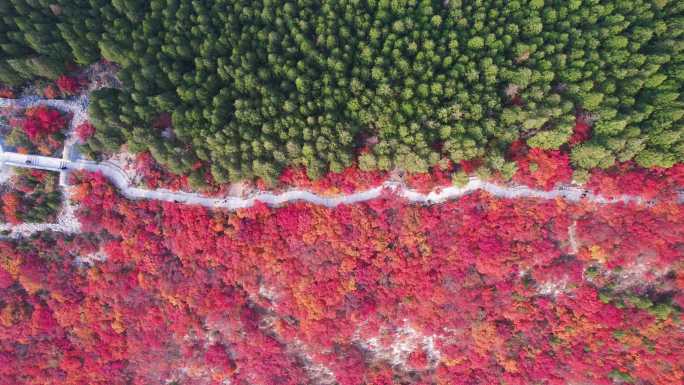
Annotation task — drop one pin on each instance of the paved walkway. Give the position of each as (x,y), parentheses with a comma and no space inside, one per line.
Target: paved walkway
(69,162)
(119,178)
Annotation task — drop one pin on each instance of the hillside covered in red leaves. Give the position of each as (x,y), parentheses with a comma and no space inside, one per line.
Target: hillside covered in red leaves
(475,291)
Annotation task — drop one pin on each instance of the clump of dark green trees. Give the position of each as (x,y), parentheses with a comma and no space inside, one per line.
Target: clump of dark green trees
(257,85)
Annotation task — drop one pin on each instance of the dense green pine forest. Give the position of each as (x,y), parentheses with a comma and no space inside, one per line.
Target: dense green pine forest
(253,86)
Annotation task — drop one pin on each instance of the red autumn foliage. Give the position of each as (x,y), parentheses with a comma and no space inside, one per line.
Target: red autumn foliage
(216,355)
(351,179)
(42,121)
(439,176)
(51,92)
(492,289)
(542,168)
(582,130)
(469,166)
(418,359)
(7,92)
(68,85)
(6,279)
(162,121)
(10,207)
(518,149)
(84,131)
(628,178)
(155,176)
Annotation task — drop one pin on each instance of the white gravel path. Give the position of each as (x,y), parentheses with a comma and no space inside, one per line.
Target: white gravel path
(119,178)
(78,107)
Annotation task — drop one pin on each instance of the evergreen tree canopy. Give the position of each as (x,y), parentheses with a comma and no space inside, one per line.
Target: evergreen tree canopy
(257,85)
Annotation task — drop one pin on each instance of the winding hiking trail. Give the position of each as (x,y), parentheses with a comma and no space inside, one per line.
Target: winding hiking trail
(118,177)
